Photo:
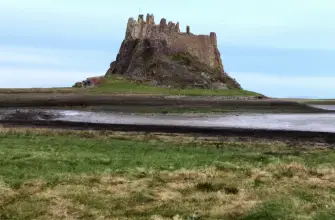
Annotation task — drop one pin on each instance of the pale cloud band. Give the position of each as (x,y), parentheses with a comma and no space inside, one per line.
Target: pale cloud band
(271,85)
(280,85)
(12,77)
(277,85)
(26,58)
(83,40)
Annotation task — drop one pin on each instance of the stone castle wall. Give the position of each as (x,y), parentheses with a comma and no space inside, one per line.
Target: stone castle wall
(204,47)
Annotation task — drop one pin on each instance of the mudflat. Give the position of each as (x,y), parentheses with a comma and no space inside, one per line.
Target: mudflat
(155,102)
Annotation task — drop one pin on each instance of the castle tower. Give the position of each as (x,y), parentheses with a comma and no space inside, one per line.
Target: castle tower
(140,19)
(147,19)
(162,24)
(213,39)
(177,27)
(150,19)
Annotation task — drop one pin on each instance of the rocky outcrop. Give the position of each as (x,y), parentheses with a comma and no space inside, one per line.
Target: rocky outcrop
(91,81)
(164,55)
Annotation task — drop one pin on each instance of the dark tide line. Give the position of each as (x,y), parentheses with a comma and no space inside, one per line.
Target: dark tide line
(283,135)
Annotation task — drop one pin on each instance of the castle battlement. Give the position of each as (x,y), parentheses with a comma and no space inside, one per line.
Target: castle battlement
(147,28)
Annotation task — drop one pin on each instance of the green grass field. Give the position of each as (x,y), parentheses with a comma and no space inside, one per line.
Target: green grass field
(97,175)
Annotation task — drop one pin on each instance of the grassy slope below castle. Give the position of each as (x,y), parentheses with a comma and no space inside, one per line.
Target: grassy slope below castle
(114,84)
(89,175)
(118,85)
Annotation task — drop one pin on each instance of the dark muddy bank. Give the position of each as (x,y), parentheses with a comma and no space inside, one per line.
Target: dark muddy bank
(151,104)
(21,115)
(240,133)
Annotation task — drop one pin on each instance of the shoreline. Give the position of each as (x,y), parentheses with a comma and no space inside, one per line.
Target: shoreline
(154,103)
(226,132)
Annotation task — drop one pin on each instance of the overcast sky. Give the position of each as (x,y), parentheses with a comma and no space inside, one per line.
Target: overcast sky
(279,48)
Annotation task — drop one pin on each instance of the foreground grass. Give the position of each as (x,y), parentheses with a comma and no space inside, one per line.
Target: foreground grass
(97,175)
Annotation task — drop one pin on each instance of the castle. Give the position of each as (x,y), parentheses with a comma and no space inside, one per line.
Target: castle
(162,55)
(204,47)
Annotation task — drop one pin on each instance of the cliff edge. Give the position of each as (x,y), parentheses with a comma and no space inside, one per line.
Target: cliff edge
(165,56)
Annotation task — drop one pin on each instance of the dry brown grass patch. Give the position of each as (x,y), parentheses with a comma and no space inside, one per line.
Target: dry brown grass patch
(60,208)
(6,193)
(97,196)
(72,199)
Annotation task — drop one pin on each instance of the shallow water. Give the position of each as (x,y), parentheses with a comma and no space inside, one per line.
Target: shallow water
(302,122)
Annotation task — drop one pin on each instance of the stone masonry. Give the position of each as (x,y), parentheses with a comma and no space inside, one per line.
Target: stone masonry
(204,47)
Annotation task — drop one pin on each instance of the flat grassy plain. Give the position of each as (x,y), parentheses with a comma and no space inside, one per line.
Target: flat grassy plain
(49,174)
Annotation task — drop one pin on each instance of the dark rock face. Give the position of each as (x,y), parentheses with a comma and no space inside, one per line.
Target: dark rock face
(163,55)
